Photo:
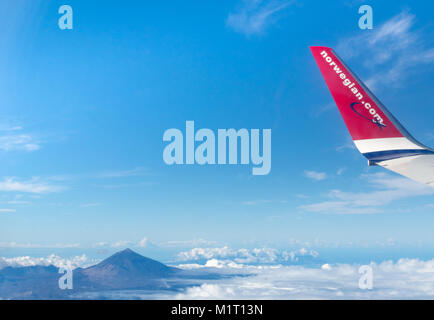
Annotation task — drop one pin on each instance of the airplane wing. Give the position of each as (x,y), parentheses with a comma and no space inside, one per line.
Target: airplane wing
(375,131)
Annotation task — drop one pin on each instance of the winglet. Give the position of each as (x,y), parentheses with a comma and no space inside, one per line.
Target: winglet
(375,131)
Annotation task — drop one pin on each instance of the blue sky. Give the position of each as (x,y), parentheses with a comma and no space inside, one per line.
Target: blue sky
(84,111)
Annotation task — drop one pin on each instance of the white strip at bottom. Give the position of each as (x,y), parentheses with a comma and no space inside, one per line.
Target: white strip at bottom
(384,144)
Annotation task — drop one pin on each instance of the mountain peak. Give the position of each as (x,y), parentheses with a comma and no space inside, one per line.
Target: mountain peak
(125,267)
(126,255)
(126,251)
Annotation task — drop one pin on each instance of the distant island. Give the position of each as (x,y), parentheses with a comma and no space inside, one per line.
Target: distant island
(124,270)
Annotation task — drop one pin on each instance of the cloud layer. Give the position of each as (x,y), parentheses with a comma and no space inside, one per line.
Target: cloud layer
(57,261)
(404,279)
(243,255)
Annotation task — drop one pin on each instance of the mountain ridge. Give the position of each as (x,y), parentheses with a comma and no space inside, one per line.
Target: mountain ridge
(125,269)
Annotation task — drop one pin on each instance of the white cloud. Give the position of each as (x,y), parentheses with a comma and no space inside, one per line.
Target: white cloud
(314,175)
(215,263)
(243,255)
(386,189)
(391,51)
(255,15)
(24,142)
(143,242)
(205,253)
(7,210)
(26,261)
(207,291)
(326,266)
(35,185)
(404,279)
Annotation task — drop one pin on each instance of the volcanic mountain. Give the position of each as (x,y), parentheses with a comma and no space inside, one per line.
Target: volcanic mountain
(123,270)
